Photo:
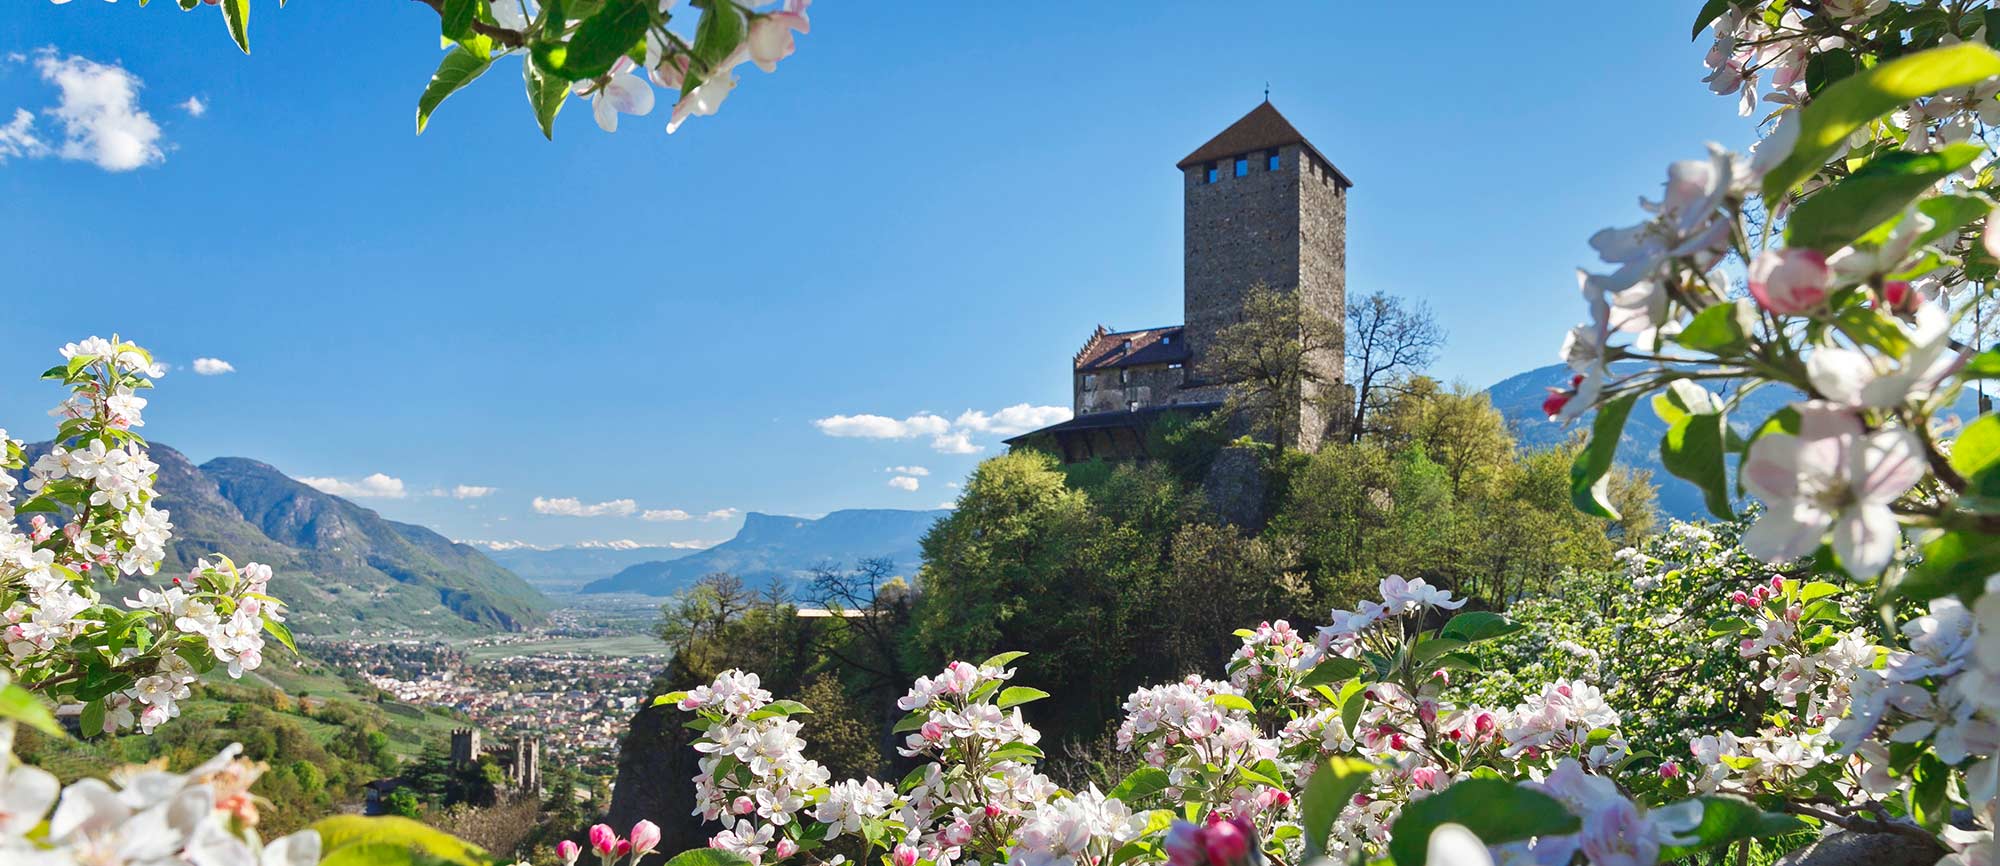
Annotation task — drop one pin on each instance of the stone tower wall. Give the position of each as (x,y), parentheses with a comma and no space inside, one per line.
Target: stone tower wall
(1323,282)
(1285,228)
(464,747)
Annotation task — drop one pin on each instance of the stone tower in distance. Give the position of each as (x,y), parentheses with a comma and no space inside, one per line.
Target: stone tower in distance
(1265,206)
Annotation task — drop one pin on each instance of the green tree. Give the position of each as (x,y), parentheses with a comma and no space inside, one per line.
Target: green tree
(1275,357)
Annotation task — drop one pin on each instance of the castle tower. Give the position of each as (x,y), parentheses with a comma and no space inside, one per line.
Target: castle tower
(526,774)
(1264,206)
(464,747)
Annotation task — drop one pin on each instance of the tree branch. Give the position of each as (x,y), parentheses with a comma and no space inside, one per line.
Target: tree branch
(502,35)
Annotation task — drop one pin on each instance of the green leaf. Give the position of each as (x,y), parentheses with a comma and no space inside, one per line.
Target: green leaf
(1710,11)
(1827,68)
(716,36)
(377,854)
(1587,484)
(777,708)
(282,632)
(1232,702)
(1985,365)
(1473,626)
(1002,660)
(1728,819)
(1331,670)
(91,721)
(1351,705)
(236,16)
(1015,752)
(1693,449)
(1978,447)
(1428,650)
(669,699)
(1869,94)
(1496,811)
(1720,328)
(393,832)
(1140,784)
(1878,192)
(1871,328)
(456,18)
(708,857)
(913,721)
(1816,590)
(1955,563)
(605,37)
(1949,213)
(1017,695)
(1334,782)
(458,69)
(22,706)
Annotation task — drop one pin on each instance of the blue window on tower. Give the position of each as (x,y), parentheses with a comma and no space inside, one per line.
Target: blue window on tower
(1211,172)
(1242,166)
(1271,160)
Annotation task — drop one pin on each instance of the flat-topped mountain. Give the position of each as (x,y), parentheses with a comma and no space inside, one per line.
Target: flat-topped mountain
(776,546)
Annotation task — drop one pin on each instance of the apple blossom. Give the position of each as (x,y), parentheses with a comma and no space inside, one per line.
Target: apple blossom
(1790,281)
(1831,477)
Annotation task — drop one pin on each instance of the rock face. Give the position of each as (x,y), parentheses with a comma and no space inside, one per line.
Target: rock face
(1237,487)
(656,767)
(1847,848)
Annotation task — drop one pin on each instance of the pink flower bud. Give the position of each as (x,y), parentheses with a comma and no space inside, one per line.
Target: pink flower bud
(1226,843)
(624,847)
(568,851)
(1777,584)
(1763,592)
(1754,602)
(1423,777)
(645,837)
(1360,799)
(1484,723)
(931,731)
(1898,297)
(1669,769)
(1397,742)
(785,848)
(1793,613)
(904,855)
(1427,711)
(1553,404)
(602,840)
(992,812)
(1790,281)
(1740,597)
(1442,675)
(743,805)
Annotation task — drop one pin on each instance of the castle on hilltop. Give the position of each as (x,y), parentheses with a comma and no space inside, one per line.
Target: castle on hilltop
(1262,206)
(521,762)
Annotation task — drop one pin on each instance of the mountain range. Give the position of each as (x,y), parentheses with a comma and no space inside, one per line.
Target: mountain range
(339,567)
(569,567)
(775,546)
(1519,399)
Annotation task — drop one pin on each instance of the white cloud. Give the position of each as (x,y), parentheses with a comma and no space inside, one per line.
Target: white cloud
(471,491)
(18,139)
(959,442)
(570,506)
(948,506)
(665,514)
(692,545)
(194,106)
(1016,419)
(947,437)
(98,110)
(213,366)
(918,471)
(882,427)
(905,483)
(952,484)
(505,545)
(375,486)
(721,514)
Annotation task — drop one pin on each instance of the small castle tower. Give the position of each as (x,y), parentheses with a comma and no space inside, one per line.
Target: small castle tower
(526,774)
(1264,206)
(464,747)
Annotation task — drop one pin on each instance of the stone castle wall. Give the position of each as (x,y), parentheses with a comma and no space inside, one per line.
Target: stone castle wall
(1323,282)
(1148,385)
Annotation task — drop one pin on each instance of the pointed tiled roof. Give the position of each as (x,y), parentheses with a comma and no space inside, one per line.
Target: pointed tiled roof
(1262,129)
(1108,349)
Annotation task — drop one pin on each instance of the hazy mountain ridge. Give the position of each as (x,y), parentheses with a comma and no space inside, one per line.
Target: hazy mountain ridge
(565,569)
(337,565)
(776,546)
(1519,399)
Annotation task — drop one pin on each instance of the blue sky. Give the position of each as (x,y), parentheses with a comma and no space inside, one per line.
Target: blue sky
(925,210)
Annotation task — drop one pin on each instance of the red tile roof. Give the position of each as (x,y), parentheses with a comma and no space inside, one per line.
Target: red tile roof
(1262,129)
(1109,350)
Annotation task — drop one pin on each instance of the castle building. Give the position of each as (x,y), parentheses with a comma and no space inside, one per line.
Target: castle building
(1261,206)
(521,762)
